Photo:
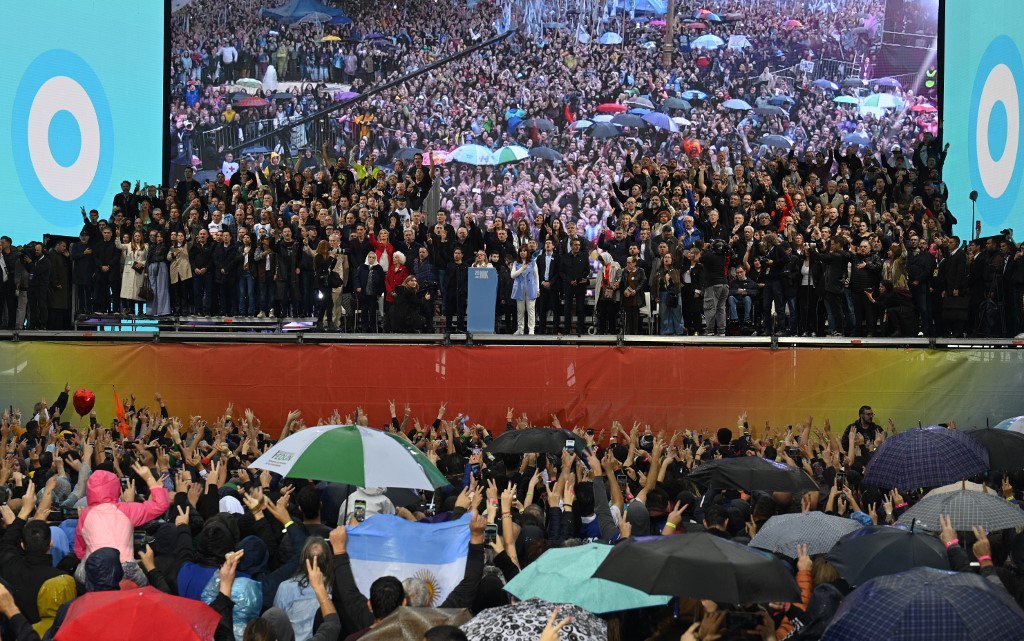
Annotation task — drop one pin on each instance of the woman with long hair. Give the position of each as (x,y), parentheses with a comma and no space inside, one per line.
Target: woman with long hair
(323,265)
(247,277)
(297,596)
(159,277)
(180,275)
(525,289)
(134,256)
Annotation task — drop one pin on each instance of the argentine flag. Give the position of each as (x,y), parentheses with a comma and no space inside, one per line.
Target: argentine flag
(386,545)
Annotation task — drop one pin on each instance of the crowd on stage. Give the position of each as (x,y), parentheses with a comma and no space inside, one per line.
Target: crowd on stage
(803,532)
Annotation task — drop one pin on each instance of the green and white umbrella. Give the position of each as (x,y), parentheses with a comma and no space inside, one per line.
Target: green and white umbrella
(354,455)
(512,153)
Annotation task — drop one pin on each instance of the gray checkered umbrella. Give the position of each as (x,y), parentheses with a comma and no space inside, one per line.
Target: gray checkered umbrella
(924,604)
(967,508)
(819,531)
(926,457)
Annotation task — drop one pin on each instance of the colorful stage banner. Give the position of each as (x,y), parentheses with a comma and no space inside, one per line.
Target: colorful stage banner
(666,387)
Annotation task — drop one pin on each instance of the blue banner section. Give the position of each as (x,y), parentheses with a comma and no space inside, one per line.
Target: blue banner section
(483,293)
(81,110)
(982,112)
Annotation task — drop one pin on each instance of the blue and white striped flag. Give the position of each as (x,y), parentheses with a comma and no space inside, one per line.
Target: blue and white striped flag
(386,545)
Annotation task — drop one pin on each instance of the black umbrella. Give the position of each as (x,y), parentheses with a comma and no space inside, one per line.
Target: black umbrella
(603,130)
(1005,448)
(406,154)
(629,120)
(700,566)
(854,82)
(284,95)
(541,440)
(878,550)
(547,153)
(676,103)
(752,473)
(540,124)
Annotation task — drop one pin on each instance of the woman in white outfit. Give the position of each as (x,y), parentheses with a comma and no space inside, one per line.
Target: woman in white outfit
(525,288)
(133,272)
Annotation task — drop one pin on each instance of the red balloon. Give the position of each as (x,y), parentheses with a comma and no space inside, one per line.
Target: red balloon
(84,400)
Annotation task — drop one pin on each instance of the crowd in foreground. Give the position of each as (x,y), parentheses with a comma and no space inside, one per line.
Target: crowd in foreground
(159,501)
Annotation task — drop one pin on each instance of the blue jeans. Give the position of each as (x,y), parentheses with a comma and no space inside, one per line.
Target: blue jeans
(748,306)
(671,317)
(246,295)
(265,296)
(202,290)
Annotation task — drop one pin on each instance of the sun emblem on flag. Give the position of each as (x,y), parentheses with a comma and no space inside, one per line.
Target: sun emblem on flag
(433,589)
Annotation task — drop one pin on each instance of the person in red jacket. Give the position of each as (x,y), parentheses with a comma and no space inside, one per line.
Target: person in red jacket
(397,273)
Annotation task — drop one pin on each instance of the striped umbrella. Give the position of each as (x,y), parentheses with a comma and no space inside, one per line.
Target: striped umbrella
(967,508)
(926,457)
(819,531)
(354,455)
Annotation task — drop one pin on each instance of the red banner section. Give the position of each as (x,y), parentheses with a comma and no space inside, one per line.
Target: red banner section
(666,387)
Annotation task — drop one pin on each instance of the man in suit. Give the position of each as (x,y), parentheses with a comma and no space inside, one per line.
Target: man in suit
(955,294)
(456,292)
(575,276)
(548,268)
(572,235)
(39,288)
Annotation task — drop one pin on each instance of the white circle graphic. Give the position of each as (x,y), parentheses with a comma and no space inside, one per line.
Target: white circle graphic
(1000,86)
(61,93)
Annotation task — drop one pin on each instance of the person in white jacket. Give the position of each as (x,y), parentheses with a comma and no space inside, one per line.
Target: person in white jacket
(373,499)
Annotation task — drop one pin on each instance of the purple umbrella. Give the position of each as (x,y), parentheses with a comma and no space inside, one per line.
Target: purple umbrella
(345,95)
(926,457)
(887,82)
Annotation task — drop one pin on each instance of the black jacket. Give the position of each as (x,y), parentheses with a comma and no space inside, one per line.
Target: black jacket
(200,256)
(920,267)
(24,571)
(84,265)
(554,271)
(456,282)
(835,270)
(575,267)
(405,313)
(714,269)
(225,263)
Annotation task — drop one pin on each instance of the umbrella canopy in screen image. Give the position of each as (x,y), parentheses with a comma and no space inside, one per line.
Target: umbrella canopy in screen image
(473,155)
(546,153)
(846,100)
(565,575)
(925,604)
(629,120)
(526,620)
(406,154)
(640,101)
(776,141)
(511,153)
(737,104)
(925,457)
(877,550)
(1014,424)
(708,41)
(660,120)
(540,124)
(610,38)
(676,103)
(857,138)
(604,130)
(354,455)
(700,566)
(820,532)
(823,83)
(771,110)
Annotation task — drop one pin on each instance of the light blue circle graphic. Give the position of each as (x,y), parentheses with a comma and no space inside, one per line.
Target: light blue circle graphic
(997,131)
(65,138)
(62,135)
(995,148)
